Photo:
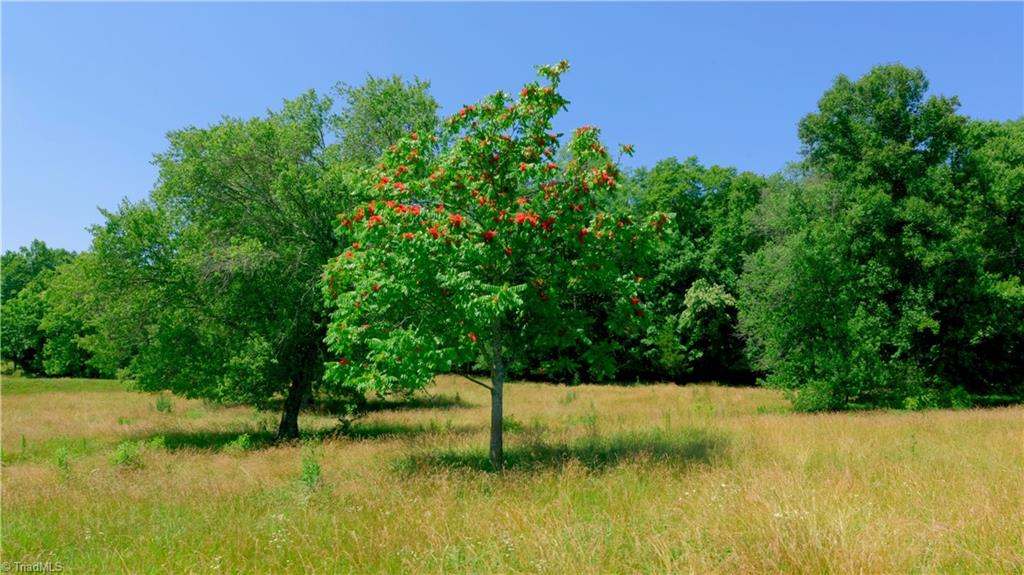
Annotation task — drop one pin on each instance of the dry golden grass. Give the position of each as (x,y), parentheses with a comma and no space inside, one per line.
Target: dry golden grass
(604,479)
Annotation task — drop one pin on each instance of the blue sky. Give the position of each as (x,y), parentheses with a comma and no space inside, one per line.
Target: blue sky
(89,90)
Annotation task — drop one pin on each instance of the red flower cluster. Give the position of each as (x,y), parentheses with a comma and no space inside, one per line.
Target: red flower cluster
(456,220)
(527,217)
(489,235)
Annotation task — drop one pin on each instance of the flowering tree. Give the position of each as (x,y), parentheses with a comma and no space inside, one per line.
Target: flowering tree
(477,242)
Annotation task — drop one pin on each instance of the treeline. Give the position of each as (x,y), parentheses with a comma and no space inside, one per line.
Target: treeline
(883,270)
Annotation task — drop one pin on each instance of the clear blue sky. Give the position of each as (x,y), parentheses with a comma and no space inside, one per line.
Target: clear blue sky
(89,90)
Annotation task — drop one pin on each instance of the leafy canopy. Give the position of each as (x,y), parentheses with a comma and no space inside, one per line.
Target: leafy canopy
(479,243)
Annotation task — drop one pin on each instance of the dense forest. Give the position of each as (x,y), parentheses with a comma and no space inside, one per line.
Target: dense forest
(882,270)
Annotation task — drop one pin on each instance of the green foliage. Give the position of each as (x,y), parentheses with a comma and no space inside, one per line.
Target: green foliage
(127,455)
(163,404)
(311,472)
(62,459)
(479,239)
(478,246)
(884,281)
(695,285)
(20,267)
(23,340)
(380,112)
(209,287)
(243,442)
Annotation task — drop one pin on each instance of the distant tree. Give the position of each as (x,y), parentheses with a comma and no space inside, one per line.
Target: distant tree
(695,285)
(18,268)
(23,340)
(381,111)
(70,302)
(477,249)
(27,277)
(210,286)
(884,281)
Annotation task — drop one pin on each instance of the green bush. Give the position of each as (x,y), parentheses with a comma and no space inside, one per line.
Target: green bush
(163,404)
(128,455)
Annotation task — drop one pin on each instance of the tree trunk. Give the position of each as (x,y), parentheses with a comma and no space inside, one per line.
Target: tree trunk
(289,428)
(497,452)
(302,380)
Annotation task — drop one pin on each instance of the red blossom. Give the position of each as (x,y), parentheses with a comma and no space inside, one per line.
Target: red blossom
(455,219)
(408,236)
(342,361)
(472,337)
(634,300)
(489,235)
(521,201)
(434,232)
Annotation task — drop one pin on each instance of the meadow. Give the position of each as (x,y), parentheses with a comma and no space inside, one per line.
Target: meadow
(652,478)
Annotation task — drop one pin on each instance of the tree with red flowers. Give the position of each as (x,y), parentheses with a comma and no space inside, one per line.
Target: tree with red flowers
(476,242)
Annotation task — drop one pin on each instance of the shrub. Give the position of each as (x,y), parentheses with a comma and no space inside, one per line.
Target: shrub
(63,460)
(164,404)
(310,476)
(128,455)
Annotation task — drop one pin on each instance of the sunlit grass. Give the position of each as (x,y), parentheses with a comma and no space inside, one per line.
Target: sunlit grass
(601,479)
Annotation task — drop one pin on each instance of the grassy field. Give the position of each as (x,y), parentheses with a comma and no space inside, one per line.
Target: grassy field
(603,479)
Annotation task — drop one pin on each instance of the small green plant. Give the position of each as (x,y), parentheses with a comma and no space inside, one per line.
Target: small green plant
(241,443)
(568,398)
(124,420)
(164,404)
(511,424)
(348,418)
(24,444)
(128,455)
(158,442)
(63,460)
(310,476)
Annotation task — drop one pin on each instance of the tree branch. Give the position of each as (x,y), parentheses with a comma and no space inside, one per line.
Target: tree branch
(474,380)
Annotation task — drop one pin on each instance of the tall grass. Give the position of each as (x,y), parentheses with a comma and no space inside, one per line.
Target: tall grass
(646,478)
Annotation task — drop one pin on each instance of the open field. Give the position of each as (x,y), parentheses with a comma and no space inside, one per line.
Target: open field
(603,479)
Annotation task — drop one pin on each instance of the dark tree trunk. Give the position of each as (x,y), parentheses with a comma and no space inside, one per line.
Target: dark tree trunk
(497,452)
(301,383)
(289,428)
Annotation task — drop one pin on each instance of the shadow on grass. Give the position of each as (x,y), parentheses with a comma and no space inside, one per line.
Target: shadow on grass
(340,405)
(251,440)
(438,401)
(677,449)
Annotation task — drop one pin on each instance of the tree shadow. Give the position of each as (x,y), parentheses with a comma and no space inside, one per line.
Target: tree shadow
(434,401)
(679,449)
(253,440)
